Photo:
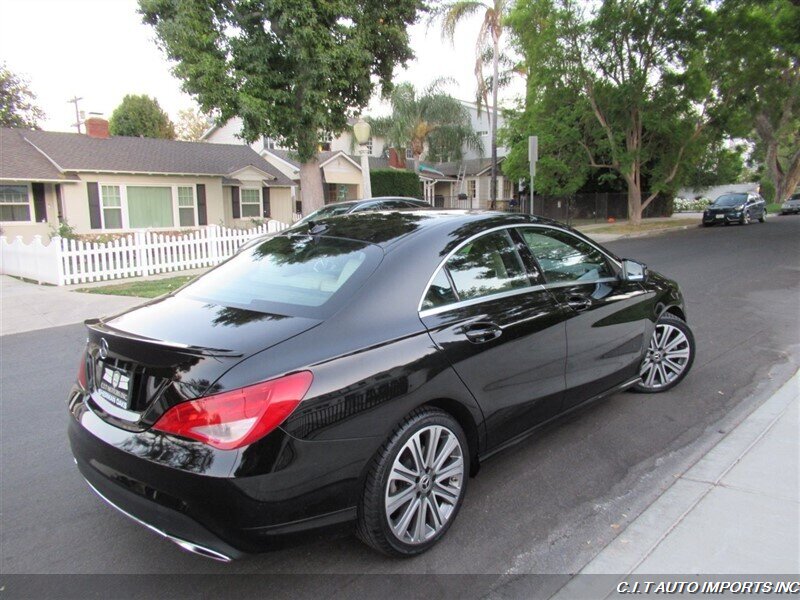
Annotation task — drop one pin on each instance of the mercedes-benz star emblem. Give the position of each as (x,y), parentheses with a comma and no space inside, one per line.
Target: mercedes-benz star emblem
(103,348)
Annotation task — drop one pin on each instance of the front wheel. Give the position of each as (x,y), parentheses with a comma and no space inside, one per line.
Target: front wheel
(669,356)
(745,218)
(763,217)
(415,485)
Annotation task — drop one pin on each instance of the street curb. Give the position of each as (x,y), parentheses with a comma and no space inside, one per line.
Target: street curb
(613,237)
(625,553)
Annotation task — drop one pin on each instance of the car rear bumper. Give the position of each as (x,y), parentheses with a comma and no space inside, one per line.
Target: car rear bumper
(312,488)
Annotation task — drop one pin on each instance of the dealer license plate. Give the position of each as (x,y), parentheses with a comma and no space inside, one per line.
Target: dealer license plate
(719,216)
(115,386)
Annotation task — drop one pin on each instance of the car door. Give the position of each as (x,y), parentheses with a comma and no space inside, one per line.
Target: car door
(608,322)
(503,333)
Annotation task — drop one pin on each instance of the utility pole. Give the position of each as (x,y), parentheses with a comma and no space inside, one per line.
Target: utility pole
(78,122)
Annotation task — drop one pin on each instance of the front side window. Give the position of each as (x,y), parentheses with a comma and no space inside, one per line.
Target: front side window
(488,265)
(251,203)
(186,213)
(112,206)
(564,258)
(14,203)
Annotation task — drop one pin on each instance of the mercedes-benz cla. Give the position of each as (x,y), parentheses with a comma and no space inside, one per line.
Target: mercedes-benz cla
(354,374)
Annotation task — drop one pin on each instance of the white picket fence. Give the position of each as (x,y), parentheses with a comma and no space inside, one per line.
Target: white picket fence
(67,261)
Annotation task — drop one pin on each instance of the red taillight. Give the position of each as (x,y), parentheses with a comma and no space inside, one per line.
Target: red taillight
(240,417)
(82,372)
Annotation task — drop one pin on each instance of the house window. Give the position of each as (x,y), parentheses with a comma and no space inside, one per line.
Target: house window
(472,187)
(251,202)
(15,203)
(150,206)
(186,208)
(112,207)
(409,154)
(482,133)
(369,145)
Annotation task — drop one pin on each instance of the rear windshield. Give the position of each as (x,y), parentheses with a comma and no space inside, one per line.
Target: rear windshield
(730,200)
(295,275)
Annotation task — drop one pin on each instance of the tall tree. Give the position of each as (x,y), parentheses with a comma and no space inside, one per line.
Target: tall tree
(638,79)
(292,70)
(141,116)
(429,119)
(454,12)
(192,124)
(758,51)
(17,102)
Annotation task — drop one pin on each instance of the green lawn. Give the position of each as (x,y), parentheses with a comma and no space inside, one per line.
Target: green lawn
(142,289)
(774,208)
(624,227)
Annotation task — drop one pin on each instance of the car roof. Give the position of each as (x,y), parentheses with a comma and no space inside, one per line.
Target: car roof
(375,199)
(391,228)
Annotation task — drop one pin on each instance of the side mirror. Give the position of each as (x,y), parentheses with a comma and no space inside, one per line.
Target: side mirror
(633,270)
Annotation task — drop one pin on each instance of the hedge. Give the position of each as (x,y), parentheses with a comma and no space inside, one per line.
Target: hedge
(394,182)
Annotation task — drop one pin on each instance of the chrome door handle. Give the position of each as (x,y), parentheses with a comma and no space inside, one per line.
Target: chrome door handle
(578,303)
(478,333)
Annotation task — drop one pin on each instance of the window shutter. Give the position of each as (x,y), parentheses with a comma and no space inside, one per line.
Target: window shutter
(39,205)
(265,198)
(94,205)
(202,214)
(237,210)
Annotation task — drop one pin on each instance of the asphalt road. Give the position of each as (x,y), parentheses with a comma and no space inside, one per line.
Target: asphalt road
(547,505)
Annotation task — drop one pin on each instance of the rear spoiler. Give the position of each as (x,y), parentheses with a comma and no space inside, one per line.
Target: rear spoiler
(100,327)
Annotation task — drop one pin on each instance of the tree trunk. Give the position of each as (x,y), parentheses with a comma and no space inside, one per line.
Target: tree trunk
(495,74)
(633,179)
(312,195)
(416,163)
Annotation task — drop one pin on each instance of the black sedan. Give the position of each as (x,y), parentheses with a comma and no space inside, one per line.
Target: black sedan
(738,208)
(335,209)
(354,374)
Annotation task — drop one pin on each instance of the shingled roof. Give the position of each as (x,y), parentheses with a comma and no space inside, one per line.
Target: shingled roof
(74,152)
(21,161)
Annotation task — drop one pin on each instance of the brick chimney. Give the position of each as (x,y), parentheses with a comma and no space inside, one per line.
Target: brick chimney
(96,127)
(396,160)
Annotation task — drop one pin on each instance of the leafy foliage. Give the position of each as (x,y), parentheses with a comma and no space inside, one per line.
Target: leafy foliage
(293,70)
(17,102)
(758,52)
(429,118)
(141,116)
(626,86)
(487,50)
(394,182)
(192,124)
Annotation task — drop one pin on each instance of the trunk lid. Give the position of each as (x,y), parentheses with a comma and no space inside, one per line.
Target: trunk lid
(144,361)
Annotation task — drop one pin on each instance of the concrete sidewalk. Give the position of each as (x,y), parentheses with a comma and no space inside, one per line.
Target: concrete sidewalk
(28,306)
(735,511)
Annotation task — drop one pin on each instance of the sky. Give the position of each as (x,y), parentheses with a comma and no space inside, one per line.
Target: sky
(99,50)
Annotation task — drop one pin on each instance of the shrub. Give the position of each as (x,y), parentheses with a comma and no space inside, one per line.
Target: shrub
(394,182)
(686,205)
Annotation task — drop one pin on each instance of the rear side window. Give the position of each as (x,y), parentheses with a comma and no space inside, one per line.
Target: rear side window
(287,273)
(488,265)
(564,258)
(440,293)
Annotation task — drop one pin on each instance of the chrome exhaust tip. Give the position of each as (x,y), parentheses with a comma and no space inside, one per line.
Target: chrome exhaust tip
(199,550)
(188,546)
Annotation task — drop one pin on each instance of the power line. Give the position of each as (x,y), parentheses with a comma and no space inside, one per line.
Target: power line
(78,122)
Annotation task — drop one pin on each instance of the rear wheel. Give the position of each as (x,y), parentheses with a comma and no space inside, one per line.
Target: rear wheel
(669,356)
(763,217)
(415,485)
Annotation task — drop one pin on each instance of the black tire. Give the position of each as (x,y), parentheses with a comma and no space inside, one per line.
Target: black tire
(707,224)
(373,527)
(680,324)
(763,217)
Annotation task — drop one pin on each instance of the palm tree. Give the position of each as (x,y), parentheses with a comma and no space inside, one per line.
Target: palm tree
(454,12)
(430,118)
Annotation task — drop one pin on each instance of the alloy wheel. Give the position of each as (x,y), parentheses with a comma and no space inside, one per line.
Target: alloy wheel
(746,218)
(424,484)
(667,357)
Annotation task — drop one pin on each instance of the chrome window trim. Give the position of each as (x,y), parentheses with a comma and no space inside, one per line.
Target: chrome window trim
(560,284)
(436,310)
(472,301)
